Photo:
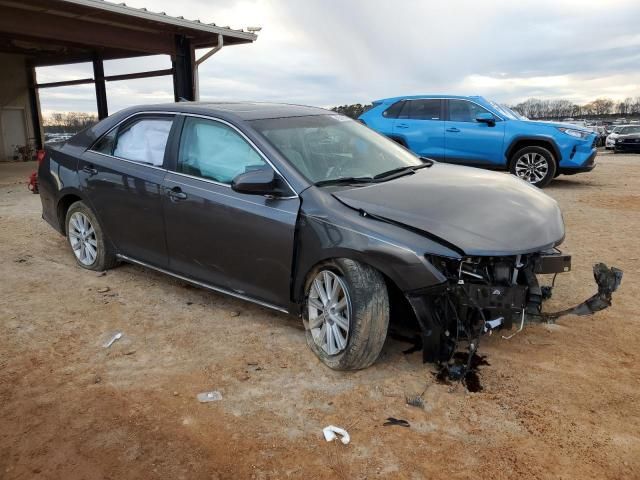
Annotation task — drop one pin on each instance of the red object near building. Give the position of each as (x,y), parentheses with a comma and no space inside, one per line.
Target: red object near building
(33,182)
(33,178)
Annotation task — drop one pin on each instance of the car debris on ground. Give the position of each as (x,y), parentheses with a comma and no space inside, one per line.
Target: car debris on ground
(113,339)
(206,397)
(415,400)
(396,421)
(332,432)
(608,281)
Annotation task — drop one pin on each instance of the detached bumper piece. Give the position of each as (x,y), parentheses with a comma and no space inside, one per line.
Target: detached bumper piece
(608,281)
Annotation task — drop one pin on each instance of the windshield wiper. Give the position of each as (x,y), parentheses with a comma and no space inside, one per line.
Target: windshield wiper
(343,181)
(397,172)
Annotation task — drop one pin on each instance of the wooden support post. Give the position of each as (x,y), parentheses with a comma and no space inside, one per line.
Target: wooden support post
(101,89)
(34,106)
(183,70)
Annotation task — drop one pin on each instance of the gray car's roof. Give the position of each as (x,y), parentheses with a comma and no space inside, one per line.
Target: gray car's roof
(241,110)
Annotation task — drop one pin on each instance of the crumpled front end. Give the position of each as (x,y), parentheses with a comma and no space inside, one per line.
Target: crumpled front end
(487,294)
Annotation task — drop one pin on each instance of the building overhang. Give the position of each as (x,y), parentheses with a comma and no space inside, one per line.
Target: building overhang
(54,32)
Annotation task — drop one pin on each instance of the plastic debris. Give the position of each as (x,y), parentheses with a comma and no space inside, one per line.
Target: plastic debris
(331,433)
(396,421)
(206,397)
(117,336)
(415,401)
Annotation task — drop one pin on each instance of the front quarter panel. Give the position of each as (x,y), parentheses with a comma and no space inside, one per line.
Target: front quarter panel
(328,229)
(571,152)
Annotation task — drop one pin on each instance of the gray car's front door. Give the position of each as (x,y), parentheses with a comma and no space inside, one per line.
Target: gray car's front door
(238,242)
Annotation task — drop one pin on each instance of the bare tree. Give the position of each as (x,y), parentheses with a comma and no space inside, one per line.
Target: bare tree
(69,122)
(602,106)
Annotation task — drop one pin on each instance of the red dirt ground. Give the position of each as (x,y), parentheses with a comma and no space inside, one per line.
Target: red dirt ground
(559,401)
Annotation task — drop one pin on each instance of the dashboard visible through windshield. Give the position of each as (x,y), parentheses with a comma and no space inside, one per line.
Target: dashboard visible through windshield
(327,148)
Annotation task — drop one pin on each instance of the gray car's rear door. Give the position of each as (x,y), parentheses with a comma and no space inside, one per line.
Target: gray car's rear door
(238,242)
(122,177)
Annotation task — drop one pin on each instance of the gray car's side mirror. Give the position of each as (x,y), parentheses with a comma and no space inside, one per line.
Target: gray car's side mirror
(262,181)
(485,117)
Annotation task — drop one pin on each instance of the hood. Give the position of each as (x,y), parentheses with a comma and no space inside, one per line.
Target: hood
(560,125)
(480,212)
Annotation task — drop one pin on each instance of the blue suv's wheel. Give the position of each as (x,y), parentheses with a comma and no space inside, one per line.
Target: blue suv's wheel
(533,164)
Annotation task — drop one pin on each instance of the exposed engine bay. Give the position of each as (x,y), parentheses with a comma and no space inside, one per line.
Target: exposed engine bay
(483,295)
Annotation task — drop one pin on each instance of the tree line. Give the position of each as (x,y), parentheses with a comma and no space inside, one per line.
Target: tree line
(353,111)
(535,108)
(68,122)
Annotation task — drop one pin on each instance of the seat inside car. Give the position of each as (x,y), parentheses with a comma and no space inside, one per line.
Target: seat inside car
(285,143)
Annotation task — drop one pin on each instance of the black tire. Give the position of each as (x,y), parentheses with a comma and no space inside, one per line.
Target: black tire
(105,257)
(551,165)
(369,315)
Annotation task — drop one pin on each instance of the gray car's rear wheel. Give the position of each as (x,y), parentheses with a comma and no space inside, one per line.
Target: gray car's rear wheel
(346,314)
(534,165)
(86,238)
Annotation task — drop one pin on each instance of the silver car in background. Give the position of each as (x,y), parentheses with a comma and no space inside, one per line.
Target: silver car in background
(610,143)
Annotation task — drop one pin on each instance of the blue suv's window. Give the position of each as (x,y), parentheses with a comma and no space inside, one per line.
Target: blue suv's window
(463,111)
(394,110)
(422,109)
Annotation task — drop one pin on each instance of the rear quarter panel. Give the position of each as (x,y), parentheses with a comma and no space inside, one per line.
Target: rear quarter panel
(58,177)
(373,118)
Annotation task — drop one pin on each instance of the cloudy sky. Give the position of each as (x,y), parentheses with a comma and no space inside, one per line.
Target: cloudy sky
(331,52)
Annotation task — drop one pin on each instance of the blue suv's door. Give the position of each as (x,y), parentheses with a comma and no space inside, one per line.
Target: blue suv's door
(420,125)
(470,141)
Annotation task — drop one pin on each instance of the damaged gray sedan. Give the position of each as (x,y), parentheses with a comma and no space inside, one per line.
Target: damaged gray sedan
(308,212)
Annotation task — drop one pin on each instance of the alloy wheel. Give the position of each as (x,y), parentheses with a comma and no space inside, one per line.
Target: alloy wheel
(329,311)
(532,167)
(82,237)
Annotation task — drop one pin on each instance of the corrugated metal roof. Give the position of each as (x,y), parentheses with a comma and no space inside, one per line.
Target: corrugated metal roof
(161,17)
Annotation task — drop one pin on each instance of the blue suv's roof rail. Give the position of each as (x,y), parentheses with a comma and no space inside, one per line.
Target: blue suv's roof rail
(413,97)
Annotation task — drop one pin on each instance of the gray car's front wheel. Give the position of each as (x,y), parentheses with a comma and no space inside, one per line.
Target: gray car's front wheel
(346,314)
(86,239)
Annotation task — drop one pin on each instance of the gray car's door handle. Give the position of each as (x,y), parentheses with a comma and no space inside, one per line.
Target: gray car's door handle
(176,193)
(453,129)
(90,169)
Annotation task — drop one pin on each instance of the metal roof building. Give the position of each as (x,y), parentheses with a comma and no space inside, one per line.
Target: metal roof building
(35,33)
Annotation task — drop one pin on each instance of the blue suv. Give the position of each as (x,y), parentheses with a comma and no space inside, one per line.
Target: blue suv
(478,132)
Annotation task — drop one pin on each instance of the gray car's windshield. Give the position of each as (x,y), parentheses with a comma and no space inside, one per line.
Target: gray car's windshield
(333,148)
